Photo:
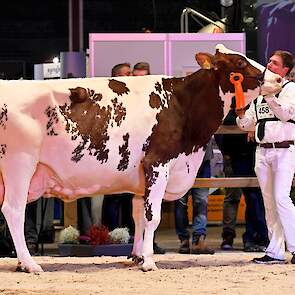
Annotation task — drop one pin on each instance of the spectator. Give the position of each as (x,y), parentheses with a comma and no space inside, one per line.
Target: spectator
(122,69)
(238,156)
(42,231)
(200,206)
(141,69)
(117,208)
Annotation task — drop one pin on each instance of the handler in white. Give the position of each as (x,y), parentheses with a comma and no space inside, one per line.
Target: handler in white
(273,119)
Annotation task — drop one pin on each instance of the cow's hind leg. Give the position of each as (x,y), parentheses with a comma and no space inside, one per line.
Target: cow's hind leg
(156,182)
(16,177)
(138,217)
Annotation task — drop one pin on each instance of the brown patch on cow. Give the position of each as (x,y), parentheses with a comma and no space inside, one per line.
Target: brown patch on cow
(89,121)
(3,148)
(3,116)
(193,114)
(94,96)
(125,153)
(78,94)
(119,111)
(155,100)
(52,114)
(118,87)
(146,144)
(150,179)
(148,210)
(158,87)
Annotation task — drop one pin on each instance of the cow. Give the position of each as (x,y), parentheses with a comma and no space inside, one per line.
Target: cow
(144,135)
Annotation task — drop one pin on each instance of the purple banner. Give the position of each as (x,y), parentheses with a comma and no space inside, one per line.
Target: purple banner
(276,28)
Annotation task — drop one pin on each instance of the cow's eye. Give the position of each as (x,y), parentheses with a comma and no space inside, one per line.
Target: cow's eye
(279,80)
(241,64)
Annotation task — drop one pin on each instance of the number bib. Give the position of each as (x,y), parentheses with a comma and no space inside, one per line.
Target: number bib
(264,112)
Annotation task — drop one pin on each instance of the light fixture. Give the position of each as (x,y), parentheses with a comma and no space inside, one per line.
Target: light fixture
(55,60)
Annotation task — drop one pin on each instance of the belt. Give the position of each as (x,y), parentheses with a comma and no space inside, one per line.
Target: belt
(280,145)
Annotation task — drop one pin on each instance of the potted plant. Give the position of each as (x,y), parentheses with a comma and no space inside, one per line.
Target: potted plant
(98,242)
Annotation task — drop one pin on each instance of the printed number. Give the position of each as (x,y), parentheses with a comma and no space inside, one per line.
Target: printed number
(263,110)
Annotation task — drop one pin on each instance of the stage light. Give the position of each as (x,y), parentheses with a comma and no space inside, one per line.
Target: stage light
(55,60)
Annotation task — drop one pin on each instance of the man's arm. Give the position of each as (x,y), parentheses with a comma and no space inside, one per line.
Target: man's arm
(284,109)
(246,119)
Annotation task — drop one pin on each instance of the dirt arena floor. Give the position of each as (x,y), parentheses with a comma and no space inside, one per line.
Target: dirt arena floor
(222,273)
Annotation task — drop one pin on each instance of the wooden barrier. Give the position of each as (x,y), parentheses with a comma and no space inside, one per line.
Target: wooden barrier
(226,182)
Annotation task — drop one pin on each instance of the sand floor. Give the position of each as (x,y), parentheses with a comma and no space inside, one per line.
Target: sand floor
(222,273)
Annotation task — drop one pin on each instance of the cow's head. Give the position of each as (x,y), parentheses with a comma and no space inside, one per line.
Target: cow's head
(257,79)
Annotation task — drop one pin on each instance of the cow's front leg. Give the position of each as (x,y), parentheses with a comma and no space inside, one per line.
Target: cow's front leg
(156,182)
(138,217)
(16,182)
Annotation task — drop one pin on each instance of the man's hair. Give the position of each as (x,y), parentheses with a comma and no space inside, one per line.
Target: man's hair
(287,58)
(142,66)
(118,67)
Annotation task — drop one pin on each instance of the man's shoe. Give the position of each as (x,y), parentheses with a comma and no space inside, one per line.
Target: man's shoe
(251,247)
(293,258)
(184,247)
(158,249)
(268,260)
(227,243)
(200,247)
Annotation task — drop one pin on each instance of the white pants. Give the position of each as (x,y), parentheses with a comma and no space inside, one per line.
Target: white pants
(275,169)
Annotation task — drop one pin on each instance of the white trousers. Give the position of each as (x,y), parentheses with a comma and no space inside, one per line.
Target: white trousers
(275,169)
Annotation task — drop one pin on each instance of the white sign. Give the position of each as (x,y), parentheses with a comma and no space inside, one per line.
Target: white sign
(46,71)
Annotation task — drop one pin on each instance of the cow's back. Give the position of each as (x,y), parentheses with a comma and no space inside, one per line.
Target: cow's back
(87,147)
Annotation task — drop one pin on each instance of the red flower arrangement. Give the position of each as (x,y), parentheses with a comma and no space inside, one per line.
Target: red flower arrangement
(96,235)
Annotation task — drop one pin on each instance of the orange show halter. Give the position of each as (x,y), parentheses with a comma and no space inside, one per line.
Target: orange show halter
(237,79)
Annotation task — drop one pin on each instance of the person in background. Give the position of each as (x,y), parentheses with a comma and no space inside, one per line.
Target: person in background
(141,69)
(200,210)
(117,208)
(238,155)
(273,118)
(123,69)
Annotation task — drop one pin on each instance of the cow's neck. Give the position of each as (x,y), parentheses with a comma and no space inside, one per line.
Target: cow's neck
(193,113)
(204,108)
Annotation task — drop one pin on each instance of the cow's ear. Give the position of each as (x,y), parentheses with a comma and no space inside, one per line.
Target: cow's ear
(205,60)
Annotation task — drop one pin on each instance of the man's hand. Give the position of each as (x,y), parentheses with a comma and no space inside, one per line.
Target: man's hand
(251,136)
(240,113)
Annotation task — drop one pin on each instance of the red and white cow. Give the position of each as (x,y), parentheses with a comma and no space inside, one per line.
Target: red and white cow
(77,137)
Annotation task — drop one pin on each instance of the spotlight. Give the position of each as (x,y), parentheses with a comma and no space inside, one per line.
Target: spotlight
(55,60)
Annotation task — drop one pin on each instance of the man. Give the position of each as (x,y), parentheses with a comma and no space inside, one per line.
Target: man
(122,69)
(238,152)
(273,118)
(141,69)
(200,206)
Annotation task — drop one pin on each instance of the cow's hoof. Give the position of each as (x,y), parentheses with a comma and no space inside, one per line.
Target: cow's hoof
(148,266)
(137,259)
(29,269)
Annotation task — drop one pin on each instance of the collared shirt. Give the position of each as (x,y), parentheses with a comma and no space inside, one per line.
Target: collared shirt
(281,107)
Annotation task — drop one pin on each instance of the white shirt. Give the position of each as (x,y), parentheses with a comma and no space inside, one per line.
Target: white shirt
(282,107)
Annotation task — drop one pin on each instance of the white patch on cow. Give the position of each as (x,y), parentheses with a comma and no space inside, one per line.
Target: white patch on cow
(222,49)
